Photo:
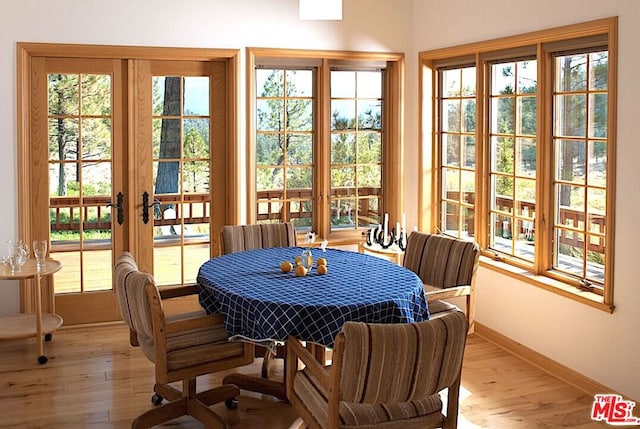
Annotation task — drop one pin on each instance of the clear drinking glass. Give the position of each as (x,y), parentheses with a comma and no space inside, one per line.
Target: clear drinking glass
(40,252)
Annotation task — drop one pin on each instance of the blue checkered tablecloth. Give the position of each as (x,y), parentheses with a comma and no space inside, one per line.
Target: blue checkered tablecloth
(262,304)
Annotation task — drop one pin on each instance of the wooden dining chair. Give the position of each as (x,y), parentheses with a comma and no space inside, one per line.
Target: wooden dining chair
(447,266)
(238,238)
(382,376)
(182,347)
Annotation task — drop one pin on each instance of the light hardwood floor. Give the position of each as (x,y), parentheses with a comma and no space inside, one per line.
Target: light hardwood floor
(94,379)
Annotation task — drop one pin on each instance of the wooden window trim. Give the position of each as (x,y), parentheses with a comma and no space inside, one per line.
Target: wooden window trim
(546,43)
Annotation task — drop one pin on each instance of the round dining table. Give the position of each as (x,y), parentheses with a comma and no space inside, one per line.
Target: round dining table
(263,304)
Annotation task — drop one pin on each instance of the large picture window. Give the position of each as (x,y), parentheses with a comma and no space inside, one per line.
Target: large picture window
(523,150)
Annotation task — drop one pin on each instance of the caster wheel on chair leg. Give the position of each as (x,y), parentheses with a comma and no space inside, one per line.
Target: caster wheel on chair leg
(48,336)
(156,399)
(42,360)
(231,404)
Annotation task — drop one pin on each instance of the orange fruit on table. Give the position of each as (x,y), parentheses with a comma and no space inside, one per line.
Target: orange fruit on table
(298,260)
(301,271)
(321,261)
(286,266)
(322,269)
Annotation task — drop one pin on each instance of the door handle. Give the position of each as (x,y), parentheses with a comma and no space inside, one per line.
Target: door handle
(146,206)
(119,205)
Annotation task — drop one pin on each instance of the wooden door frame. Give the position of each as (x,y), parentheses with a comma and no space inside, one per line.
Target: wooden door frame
(28,226)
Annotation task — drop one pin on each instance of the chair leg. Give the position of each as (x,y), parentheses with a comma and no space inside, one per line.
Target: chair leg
(204,414)
(161,414)
(219,394)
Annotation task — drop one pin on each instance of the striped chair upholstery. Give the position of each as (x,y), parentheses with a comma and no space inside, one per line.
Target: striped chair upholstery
(236,238)
(447,267)
(182,346)
(383,376)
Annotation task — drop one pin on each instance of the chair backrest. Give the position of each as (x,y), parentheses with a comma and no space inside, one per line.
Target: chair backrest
(441,261)
(386,363)
(237,238)
(134,305)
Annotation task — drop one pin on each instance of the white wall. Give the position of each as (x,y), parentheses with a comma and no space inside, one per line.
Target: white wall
(604,347)
(366,26)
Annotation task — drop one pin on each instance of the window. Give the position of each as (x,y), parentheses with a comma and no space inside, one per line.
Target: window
(324,144)
(523,146)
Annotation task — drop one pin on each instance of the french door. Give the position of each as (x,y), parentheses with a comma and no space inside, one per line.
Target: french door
(125,154)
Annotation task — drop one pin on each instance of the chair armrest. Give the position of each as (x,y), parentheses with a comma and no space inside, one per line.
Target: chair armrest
(195,322)
(177,291)
(446,293)
(298,352)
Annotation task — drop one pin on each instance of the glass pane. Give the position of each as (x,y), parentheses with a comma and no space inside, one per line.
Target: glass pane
(167,267)
(369,175)
(269,149)
(570,162)
(599,70)
(502,110)
(343,84)
(369,115)
(301,210)
(451,149)
(527,77)
(96,179)
(194,257)
(527,111)
(299,115)
(469,152)
(343,177)
(270,115)
(343,114)
(526,157)
(569,251)
(369,211)
(299,178)
(469,81)
(451,82)
(96,95)
(369,84)
(299,149)
(269,83)
(501,233)
(503,151)
(596,203)
(469,116)
(166,95)
(96,138)
(451,221)
(64,179)
(451,183)
(196,95)
(196,176)
(68,278)
(451,115)
(369,147)
(342,212)
(97,274)
(269,178)
(468,186)
(95,227)
(570,115)
(597,163)
(571,73)
(343,148)
(524,245)
(598,115)
(571,202)
(299,83)
(196,139)
(504,192)
(166,177)
(63,139)
(166,138)
(467,220)
(63,94)
(526,191)
(503,78)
